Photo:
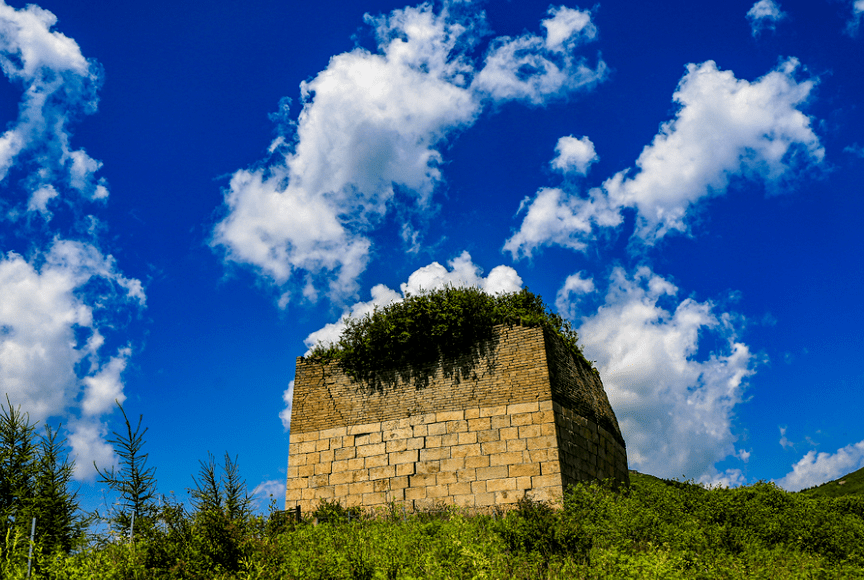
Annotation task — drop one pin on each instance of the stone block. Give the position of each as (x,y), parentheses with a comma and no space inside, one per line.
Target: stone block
(496,472)
(488,435)
(403,433)
(374,449)
(368,439)
(493,411)
(449,416)
(453,464)
(480,424)
(424,467)
(405,469)
(466,450)
(500,421)
(437,428)
(527,431)
(506,497)
(424,480)
(377,461)
(435,454)
(520,408)
(446,477)
(501,484)
(403,457)
(523,469)
(521,419)
(396,445)
(516,445)
(467,438)
(364,428)
(510,458)
(436,491)
(382,472)
(477,461)
(493,447)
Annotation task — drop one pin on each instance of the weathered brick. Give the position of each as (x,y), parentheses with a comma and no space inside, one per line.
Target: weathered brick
(403,457)
(374,449)
(497,472)
(523,469)
(466,450)
(493,447)
(435,454)
(377,461)
(519,408)
(509,458)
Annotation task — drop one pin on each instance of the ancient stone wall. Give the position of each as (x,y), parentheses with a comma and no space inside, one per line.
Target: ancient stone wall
(517,416)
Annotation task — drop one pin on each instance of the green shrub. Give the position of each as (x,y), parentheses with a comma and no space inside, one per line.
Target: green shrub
(408,338)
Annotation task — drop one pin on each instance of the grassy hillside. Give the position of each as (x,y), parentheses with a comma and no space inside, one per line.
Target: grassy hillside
(849,484)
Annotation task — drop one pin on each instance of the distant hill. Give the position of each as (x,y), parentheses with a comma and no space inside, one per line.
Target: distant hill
(850,484)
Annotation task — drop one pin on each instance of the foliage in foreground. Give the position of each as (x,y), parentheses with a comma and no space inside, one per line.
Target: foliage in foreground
(413,335)
(656,529)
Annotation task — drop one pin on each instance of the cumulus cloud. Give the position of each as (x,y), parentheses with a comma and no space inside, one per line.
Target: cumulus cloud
(533,69)
(555,216)
(371,127)
(725,128)
(462,272)
(675,407)
(764,15)
(575,286)
(817,468)
(52,326)
(58,84)
(574,155)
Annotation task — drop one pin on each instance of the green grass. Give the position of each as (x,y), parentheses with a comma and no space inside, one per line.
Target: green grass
(654,529)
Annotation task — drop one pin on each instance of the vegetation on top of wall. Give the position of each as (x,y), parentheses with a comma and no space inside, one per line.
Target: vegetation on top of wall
(424,328)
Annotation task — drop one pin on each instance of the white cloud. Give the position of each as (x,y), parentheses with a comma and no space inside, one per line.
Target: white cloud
(58,84)
(87,440)
(574,155)
(784,441)
(575,286)
(857,14)
(288,399)
(557,217)
(764,15)
(51,336)
(674,406)
(725,128)
(462,272)
(533,69)
(373,124)
(817,468)
(267,491)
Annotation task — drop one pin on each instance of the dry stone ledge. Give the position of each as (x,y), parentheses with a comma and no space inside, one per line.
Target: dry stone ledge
(523,418)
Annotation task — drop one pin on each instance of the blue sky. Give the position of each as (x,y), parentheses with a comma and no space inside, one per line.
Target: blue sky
(192,194)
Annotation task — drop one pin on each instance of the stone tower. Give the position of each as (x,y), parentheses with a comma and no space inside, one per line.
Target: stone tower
(519,416)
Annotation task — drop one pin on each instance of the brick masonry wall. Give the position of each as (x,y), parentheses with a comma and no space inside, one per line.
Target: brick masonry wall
(520,416)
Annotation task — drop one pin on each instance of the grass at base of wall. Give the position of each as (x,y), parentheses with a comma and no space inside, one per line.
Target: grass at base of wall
(655,529)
